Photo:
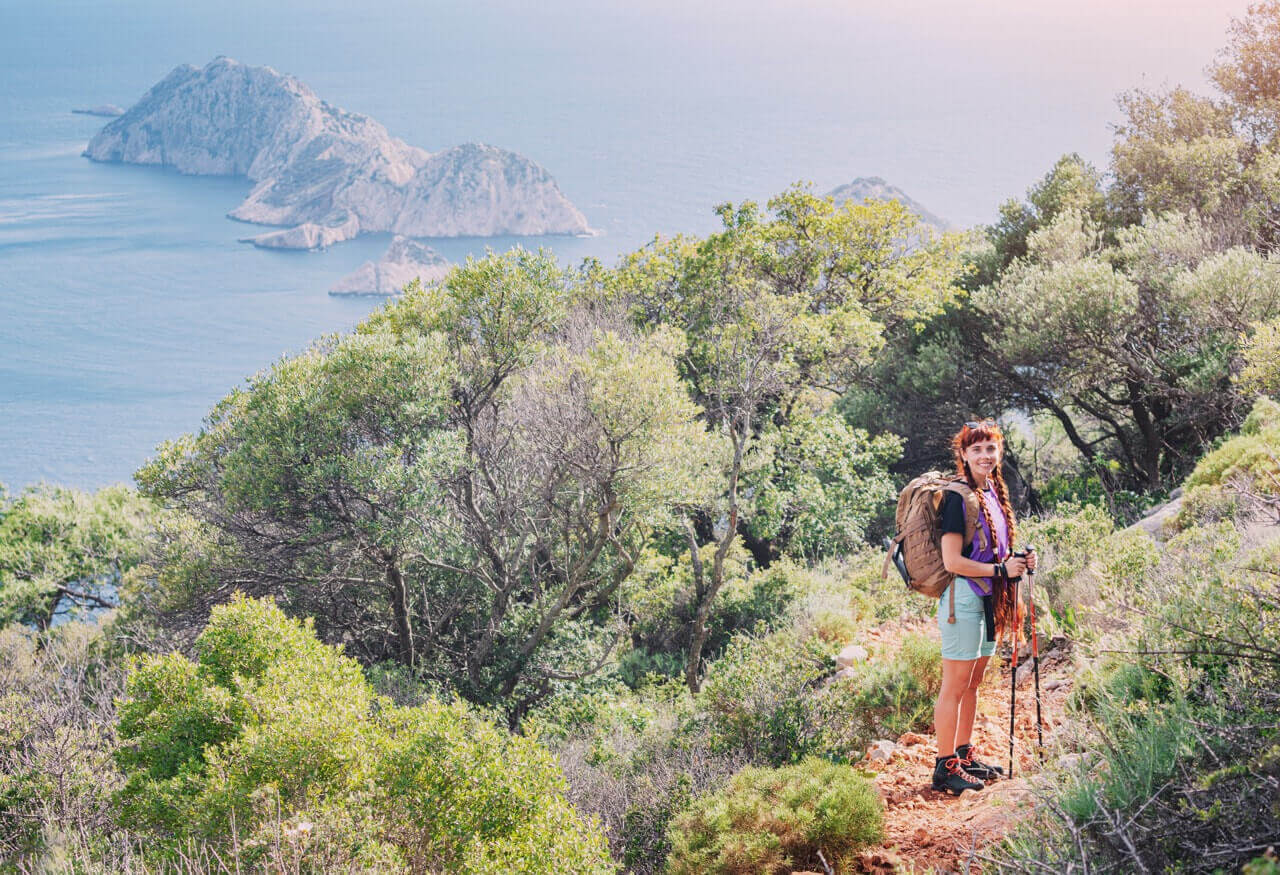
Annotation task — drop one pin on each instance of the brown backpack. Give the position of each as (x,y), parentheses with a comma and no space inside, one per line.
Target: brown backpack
(917,546)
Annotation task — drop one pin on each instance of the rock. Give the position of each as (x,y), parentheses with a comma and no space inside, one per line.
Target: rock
(1069,761)
(109,110)
(852,654)
(846,673)
(881,751)
(1159,522)
(910,738)
(922,837)
(866,188)
(1054,684)
(405,261)
(317,165)
(308,235)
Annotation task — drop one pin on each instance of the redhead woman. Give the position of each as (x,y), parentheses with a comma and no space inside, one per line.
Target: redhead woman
(985,601)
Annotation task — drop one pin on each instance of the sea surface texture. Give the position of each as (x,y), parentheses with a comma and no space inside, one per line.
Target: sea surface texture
(127,308)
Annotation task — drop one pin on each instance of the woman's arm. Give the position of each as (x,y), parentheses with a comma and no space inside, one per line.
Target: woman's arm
(957,564)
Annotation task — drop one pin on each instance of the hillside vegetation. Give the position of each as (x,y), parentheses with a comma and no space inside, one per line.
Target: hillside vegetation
(573,569)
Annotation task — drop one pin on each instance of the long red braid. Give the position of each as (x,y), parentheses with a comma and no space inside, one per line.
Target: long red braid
(1003,596)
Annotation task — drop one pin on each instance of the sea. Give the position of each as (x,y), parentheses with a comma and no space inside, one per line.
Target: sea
(128,308)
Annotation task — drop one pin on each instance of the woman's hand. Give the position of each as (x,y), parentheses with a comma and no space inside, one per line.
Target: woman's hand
(1015,566)
(1031,560)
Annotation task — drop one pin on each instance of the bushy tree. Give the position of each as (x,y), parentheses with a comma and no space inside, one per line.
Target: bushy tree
(822,488)
(269,731)
(312,478)
(57,691)
(460,485)
(778,310)
(1129,345)
(62,550)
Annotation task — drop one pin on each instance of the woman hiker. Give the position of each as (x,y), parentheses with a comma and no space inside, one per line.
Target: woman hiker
(984,601)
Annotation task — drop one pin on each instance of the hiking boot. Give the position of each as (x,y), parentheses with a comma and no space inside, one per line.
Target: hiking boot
(950,776)
(980,770)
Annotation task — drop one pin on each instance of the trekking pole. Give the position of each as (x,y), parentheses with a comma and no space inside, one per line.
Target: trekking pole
(1013,671)
(1035,652)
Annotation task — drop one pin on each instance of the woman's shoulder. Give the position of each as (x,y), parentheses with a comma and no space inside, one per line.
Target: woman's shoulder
(952,512)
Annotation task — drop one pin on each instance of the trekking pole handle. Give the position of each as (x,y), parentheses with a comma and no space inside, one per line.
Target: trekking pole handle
(1023,554)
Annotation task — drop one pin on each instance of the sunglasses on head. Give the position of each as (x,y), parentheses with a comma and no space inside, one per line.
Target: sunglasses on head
(986,423)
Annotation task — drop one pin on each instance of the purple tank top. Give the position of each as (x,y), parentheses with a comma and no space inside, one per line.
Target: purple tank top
(1000,539)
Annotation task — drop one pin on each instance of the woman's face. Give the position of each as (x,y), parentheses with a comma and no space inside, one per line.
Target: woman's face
(983,456)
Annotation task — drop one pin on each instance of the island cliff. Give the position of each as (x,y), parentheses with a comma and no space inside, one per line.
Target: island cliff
(866,188)
(405,261)
(323,173)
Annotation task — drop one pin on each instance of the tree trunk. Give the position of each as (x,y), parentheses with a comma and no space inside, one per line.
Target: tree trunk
(400,612)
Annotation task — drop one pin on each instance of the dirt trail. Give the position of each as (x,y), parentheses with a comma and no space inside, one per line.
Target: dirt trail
(932,831)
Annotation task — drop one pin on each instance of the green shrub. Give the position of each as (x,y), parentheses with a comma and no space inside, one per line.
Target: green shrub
(835,628)
(659,601)
(270,731)
(1267,864)
(1066,543)
(757,694)
(634,759)
(825,483)
(56,714)
(872,597)
(778,820)
(883,699)
(1249,461)
(1175,725)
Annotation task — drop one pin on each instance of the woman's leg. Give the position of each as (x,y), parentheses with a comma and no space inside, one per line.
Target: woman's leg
(968,699)
(947,710)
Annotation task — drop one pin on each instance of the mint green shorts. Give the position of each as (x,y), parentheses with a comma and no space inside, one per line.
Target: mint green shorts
(966,638)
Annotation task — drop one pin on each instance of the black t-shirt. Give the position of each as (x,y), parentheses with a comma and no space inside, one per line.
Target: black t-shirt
(952,517)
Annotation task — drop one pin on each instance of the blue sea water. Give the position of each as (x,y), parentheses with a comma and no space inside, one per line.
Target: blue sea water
(127,308)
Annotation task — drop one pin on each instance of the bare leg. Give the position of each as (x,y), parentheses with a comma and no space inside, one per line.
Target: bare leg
(969,701)
(955,680)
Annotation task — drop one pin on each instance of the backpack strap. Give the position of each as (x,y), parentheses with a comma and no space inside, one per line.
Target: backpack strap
(888,556)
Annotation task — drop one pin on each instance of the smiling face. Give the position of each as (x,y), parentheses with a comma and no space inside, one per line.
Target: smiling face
(983,456)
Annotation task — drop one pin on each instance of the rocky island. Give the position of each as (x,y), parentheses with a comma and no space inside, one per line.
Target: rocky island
(874,188)
(405,261)
(323,174)
(109,110)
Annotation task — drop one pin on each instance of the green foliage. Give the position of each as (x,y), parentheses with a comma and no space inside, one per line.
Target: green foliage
(756,695)
(773,697)
(1176,722)
(457,486)
(777,310)
(1261,353)
(882,698)
(1086,308)
(1267,864)
(778,820)
(822,488)
(1177,151)
(63,551)
(56,739)
(1239,473)
(270,729)
(1066,542)
(1071,184)
(660,601)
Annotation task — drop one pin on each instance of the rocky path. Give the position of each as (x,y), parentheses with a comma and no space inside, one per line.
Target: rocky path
(928,831)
